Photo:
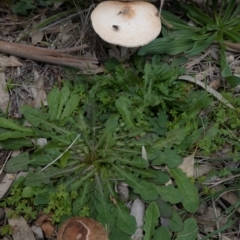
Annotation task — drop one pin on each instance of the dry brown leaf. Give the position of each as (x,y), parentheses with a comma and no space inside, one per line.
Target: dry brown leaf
(4,99)
(37,90)
(64,35)
(202,169)
(9,61)
(36,36)
(187,165)
(226,238)
(202,75)
(5,29)
(197,60)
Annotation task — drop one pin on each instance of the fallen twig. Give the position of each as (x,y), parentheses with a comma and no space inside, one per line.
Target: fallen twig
(57,57)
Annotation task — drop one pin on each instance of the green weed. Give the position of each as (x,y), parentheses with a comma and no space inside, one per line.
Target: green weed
(97,131)
(219,24)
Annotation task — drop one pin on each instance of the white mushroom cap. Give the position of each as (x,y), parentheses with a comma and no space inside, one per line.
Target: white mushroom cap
(128,24)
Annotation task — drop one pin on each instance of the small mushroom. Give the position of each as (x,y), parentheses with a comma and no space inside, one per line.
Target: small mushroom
(81,228)
(48,229)
(127,24)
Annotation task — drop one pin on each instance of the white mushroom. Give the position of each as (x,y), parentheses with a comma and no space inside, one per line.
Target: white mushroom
(128,24)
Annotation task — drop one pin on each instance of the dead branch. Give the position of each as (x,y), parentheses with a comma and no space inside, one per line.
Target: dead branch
(57,57)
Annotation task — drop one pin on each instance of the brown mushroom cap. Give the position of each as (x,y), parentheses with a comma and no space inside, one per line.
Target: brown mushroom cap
(128,24)
(81,228)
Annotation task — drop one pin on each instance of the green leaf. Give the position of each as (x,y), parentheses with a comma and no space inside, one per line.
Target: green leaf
(28,192)
(122,104)
(171,46)
(105,215)
(53,100)
(190,230)
(116,233)
(198,16)
(64,159)
(149,173)
(18,163)
(172,21)
(14,134)
(188,190)
(15,144)
(175,136)
(232,35)
(36,117)
(162,233)
(125,221)
(144,188)
(168,156)
(233,80)
(65,93)
(136,161)
(151,219)
(78,183)
(165,209)
(175,222)
(38,178)
(201,45)
(81,199)
(10,124)
(21,7)
(228,12)
(170,194)
(162,177)
(226,70)
(70,106)
(110,127)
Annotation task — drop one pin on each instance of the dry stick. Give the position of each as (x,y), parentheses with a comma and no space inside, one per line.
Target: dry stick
(47,55)
(233,46)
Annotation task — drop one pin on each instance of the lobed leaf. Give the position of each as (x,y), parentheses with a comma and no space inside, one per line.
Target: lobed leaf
(190,230)
(16,143)
(10,124)
(175,136)
(162,233)
(168,157)
(53,103)
(188,190)
(124,221)
(170,194)
(144,188)
(175,222)
(116,233)
(103,208)
(136,161)
(122,104)
(18,163)
(151,219)
(14,134)
(70,106)
(82,199)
